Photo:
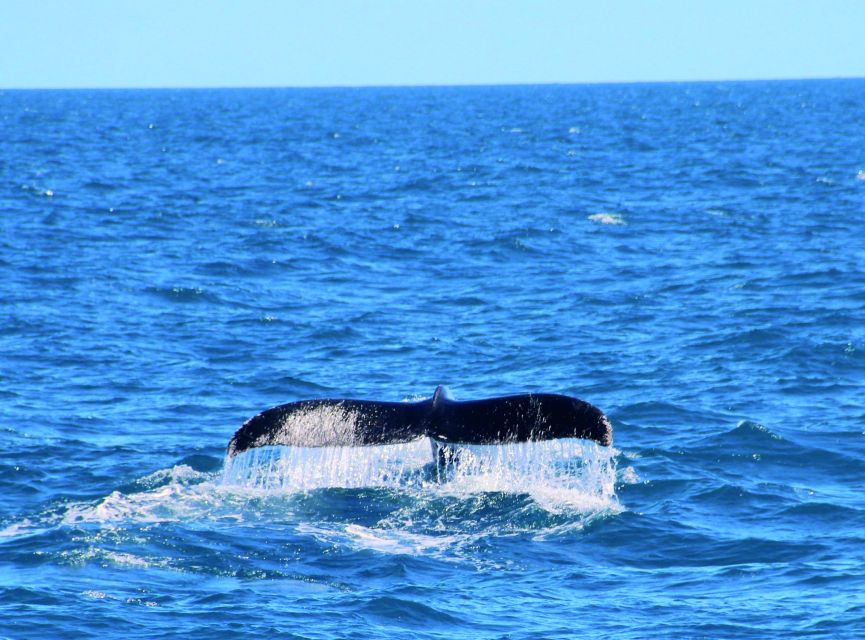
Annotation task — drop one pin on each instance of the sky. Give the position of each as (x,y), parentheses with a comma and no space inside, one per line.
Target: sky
(291,43)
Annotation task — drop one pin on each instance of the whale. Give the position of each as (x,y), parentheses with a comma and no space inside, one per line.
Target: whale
(345,422)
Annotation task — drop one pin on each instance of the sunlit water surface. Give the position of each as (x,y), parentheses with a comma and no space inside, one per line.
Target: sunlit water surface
(687,257)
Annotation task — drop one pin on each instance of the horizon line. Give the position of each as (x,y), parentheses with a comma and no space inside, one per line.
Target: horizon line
(432,85)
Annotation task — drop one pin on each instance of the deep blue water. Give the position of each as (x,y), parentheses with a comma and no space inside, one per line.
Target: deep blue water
(688,257)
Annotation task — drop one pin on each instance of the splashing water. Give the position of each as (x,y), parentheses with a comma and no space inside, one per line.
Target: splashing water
(293,469)
(560,477)
(558,474)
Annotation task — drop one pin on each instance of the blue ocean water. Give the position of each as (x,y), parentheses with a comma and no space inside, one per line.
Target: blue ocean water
(688,257)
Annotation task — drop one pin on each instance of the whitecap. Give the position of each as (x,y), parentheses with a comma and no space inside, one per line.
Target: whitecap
(607,218)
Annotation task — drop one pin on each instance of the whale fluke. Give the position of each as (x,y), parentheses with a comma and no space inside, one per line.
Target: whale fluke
(517,418)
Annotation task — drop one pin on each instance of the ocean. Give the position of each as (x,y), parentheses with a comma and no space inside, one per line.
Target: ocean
(687,257)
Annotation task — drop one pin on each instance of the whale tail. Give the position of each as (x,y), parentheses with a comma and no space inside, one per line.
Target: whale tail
(517,418)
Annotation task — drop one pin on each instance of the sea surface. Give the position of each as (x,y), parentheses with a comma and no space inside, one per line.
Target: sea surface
(688,257)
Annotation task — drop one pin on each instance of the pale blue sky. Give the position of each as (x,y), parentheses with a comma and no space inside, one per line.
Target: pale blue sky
(218,43)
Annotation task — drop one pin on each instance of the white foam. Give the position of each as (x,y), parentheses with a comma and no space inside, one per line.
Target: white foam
(607,218)
(19,529)
(186,495)
(629,476)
